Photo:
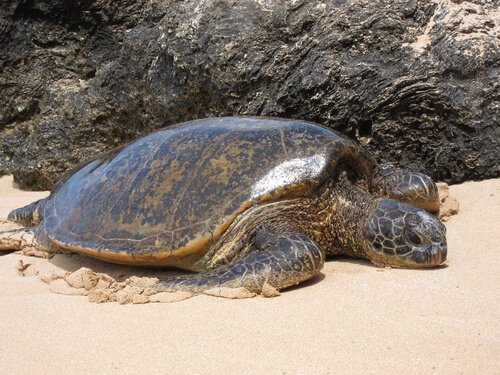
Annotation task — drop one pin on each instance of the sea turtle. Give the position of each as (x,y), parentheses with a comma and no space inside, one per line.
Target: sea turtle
(242,201)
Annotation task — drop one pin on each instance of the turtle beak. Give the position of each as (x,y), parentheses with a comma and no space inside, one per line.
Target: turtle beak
(436,251)
(431,256)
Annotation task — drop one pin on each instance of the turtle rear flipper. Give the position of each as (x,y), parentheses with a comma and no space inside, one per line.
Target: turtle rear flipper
(29,215)
(278,262)
(27,241)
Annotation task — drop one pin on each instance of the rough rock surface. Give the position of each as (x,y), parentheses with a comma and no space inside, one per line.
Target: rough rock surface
(414,81)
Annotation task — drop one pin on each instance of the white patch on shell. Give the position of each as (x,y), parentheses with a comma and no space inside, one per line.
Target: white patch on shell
(289,172)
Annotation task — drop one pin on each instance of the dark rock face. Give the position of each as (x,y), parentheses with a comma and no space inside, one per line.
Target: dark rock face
(416,82)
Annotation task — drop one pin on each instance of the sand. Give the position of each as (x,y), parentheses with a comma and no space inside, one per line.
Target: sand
(352,318)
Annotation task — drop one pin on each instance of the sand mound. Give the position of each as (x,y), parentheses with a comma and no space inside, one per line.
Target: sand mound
(101,287)
(448,205)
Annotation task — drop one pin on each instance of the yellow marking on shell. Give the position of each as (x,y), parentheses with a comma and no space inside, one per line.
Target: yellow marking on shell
(182,257)
(222,163)
(176,172)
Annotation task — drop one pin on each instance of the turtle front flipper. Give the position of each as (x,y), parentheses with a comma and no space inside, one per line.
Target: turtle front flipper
(413,188)
(274,263)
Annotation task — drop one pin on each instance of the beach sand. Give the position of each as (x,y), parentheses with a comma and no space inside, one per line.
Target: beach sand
(352,318)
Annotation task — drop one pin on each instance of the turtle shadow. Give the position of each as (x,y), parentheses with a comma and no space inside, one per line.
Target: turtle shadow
(360,264)
(312,281)
(6,252)
(72,262)
(364,263)
(321,276)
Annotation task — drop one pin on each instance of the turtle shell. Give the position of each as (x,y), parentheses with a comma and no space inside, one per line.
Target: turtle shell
(166,198)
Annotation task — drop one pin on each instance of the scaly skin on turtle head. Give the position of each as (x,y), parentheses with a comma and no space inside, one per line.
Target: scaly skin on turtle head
(402,235)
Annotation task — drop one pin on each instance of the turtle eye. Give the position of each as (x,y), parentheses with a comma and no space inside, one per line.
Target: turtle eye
(414,237)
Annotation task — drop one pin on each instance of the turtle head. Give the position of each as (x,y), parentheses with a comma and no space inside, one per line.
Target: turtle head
(402,235)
